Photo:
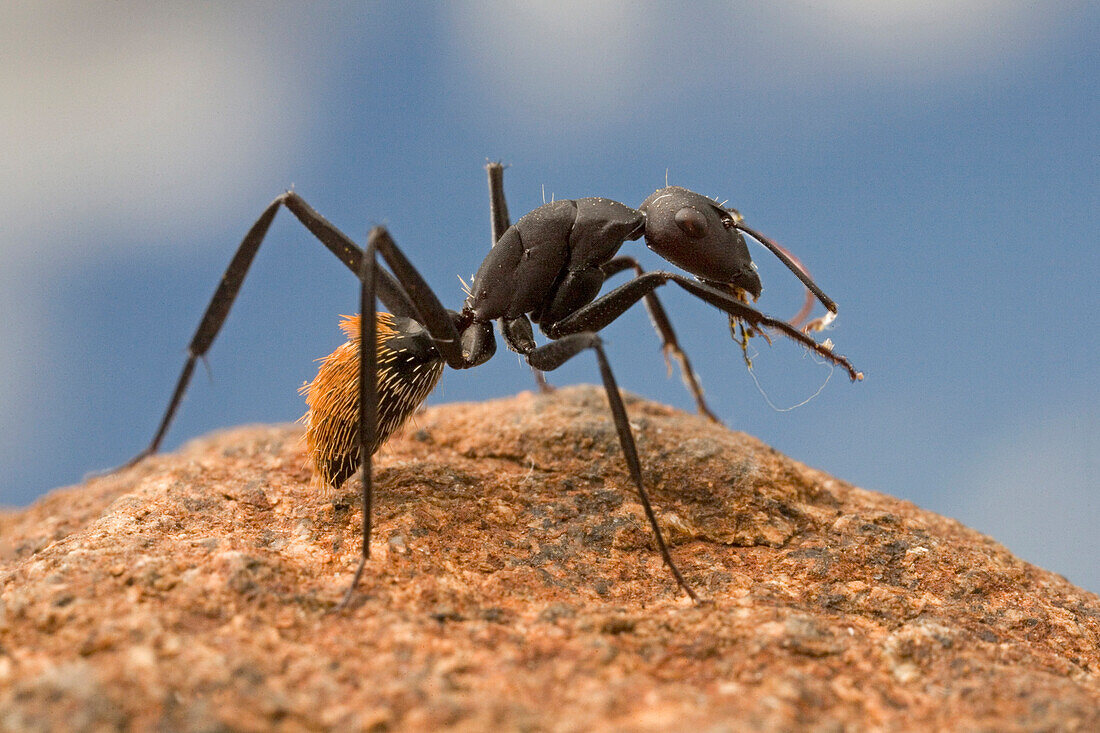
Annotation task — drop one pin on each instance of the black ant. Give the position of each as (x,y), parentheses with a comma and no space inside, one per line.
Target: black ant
(547,268)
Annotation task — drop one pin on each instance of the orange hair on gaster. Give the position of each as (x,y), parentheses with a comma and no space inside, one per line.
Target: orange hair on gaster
(405,378)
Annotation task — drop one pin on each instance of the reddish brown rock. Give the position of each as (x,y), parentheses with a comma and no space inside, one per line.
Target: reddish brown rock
(514,584)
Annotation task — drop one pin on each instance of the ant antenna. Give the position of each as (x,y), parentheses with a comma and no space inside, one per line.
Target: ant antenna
(787,260)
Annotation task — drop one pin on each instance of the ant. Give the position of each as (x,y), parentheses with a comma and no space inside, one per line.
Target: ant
(547,268)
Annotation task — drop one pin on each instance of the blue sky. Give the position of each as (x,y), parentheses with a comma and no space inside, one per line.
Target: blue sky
(934,163)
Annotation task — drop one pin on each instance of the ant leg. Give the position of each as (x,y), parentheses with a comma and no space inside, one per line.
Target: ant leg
(499,223)
(602,311)
(498,207)
(218,309)
(368,399)
(670,345)
(553,355)
(734,307)
(436,320)
(389,291)
(216,313)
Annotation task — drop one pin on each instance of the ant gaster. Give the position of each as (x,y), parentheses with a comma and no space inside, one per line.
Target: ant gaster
(547,268)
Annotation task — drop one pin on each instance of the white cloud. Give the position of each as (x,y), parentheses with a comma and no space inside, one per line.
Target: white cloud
(120,114)
(118,119)
(581,62)
(926,39)
(554,58)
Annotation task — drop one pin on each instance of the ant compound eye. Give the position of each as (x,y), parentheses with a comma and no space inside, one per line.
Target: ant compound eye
(691,222)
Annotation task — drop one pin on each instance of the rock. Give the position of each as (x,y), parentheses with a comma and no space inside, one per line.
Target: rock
(514,584)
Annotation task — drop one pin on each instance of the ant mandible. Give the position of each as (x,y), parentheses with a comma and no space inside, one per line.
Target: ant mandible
(547,268)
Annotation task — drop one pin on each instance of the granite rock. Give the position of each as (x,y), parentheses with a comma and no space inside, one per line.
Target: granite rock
(514,584)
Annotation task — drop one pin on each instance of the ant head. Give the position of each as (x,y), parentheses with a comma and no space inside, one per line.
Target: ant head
(698,234)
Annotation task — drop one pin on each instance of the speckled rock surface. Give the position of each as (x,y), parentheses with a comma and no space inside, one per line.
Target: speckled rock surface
(514,585)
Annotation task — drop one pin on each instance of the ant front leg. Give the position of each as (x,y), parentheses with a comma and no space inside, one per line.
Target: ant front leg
(605,309)
(553,355)
(670,345)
